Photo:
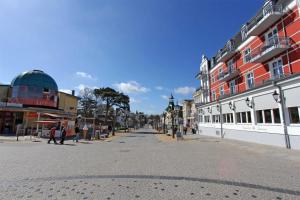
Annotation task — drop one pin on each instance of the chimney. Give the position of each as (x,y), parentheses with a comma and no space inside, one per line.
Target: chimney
(73,92)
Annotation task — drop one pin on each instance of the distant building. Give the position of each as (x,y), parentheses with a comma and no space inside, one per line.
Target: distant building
(189,113)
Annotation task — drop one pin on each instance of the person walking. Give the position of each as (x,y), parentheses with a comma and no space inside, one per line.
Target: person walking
(52,135)
(184,130)
(63,135)
(76,134)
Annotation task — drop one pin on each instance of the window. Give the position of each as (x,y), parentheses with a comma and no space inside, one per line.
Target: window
(230,115)
(250,80)
(216,118)
(272,38)
(207,119)
(200,118)
(222,90)
(268,116)
(238,118)
(247,55)
(232,87)
(276,115)
(221,72)
(249,117)
(46,90)
(259,116)
(214,96)
(294,115)
(212,78)
(230,66)
(277,69)
(224,118)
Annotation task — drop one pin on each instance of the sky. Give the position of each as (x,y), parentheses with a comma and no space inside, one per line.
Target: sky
(147,49)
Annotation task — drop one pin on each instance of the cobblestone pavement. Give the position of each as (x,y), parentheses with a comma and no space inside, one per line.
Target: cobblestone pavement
(140,166)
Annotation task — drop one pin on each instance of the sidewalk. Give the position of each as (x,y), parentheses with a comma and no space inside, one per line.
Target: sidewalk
(21,138)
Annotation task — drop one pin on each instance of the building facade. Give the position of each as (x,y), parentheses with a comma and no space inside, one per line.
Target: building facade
(202,93)
(189,113)
(255,80)
(33,101)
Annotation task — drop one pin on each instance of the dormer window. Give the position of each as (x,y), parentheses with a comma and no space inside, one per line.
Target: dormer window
(244,31)
(46,90)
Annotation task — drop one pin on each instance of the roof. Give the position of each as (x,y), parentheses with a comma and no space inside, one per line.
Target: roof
(36,78)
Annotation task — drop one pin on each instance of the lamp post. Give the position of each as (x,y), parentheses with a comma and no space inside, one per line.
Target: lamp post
(279,98)
(171,110)
(164,124)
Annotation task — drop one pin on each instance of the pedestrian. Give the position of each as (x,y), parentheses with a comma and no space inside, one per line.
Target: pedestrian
(76,133)
(19,127)
(52,135)
(185,130)
(193,130)
(63,135)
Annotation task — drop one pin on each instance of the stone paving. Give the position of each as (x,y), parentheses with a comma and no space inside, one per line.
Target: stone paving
(140,166)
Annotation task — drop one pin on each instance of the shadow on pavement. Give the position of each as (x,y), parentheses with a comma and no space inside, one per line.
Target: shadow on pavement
(174,178)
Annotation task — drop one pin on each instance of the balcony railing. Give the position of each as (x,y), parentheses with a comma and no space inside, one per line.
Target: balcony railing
(229,74)
(227,52)
(202,89)
(267,16)
(201,75)
(269,49)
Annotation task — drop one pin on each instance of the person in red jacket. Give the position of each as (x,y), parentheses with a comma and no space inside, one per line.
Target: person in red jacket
(52,135)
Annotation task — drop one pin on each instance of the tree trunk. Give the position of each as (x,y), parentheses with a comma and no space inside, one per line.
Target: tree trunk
(106,114)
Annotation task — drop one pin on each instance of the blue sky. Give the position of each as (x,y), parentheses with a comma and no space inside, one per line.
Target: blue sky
(145,48)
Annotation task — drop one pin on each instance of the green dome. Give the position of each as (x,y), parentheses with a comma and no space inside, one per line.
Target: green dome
(35,78)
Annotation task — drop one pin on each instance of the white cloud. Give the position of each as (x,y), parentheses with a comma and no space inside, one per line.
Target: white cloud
(66,91)
(131,87)
(159,88)
(82,86)
(185,90)
(133,100)
(165,97)
(85,75)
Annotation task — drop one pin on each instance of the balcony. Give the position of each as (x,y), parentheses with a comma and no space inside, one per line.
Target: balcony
(227,52)
(201,89)
(201,75)
(229,74)
(269,49)
(269,14)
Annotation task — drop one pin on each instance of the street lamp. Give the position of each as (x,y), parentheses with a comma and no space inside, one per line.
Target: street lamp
(249,102)
(164,115)
(218,108)
(231,106)
(276,97)
(171,110)
(209,110)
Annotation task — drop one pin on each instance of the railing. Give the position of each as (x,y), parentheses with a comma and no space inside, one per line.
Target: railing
(229,74)
(267,10)
(272,43)
(200,74)
(229,47)
(257,84)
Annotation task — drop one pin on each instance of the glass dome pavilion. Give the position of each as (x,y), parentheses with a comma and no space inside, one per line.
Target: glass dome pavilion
(34,88)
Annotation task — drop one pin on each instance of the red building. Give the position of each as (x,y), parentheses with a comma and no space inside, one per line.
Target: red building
(261,61)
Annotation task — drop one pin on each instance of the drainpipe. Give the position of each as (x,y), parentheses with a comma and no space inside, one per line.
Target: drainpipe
(282,105)
(221,119)
(287,51)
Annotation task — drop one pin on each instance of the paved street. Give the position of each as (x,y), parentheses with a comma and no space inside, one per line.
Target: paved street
(142,166)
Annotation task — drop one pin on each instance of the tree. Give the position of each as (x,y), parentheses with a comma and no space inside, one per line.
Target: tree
(87,102)
(109,96)
(112,98)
